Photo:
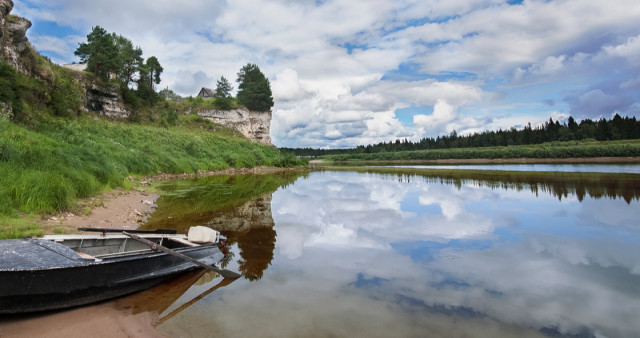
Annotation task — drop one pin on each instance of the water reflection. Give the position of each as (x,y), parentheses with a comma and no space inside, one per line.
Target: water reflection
(238,206)
(560,184)
(409,254)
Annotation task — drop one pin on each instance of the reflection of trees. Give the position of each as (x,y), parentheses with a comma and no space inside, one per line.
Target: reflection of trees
(256,249)
(238,206)
(558,184)
(251,227)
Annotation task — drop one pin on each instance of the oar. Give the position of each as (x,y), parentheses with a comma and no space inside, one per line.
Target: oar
(154,246)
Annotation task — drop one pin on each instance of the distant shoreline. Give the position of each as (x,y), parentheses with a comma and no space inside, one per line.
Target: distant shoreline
(576,160)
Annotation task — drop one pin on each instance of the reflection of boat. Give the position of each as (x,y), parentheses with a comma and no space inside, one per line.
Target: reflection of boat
(62,271)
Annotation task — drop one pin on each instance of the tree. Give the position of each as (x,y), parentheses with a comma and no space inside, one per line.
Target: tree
(129,58)
(99,53)
(254,91)
(223,93)
(155,69)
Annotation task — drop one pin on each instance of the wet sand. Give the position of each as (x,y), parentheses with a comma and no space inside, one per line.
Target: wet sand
(102,320)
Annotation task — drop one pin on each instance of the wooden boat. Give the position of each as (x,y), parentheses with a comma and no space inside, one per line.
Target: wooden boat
(60,271)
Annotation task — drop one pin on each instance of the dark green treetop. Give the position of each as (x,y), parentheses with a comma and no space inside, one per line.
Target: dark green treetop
(129,58)
(223,94)
(99,53)
(254,91)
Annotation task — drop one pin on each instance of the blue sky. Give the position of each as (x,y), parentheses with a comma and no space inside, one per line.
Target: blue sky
(345,73)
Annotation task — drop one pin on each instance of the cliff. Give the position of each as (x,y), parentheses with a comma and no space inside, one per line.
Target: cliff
(13,38)
(255,126)
(104,99)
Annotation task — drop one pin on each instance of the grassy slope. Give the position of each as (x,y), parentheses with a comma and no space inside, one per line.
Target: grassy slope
(46,169)
(572,149)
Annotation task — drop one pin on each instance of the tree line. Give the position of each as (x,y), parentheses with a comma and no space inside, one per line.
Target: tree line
(112,56)
(617,128)
(109,55)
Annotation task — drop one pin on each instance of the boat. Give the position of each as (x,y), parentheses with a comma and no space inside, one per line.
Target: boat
(61,271)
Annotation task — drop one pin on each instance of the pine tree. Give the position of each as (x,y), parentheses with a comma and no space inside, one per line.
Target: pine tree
(223,94)
(254,91)
(99,53)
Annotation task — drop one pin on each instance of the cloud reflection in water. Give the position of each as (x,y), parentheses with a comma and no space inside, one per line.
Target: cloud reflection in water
(382,255)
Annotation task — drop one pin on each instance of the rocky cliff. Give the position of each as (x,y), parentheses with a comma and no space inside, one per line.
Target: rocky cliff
(13,38)
(255,126)
(104,99)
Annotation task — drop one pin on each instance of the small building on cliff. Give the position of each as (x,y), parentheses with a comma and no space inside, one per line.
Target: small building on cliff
(205,93)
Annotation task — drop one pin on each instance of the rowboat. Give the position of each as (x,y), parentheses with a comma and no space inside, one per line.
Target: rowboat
(61,271)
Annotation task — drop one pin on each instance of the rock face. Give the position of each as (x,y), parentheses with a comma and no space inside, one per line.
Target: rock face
(105,99)
(255,126)
(13,38)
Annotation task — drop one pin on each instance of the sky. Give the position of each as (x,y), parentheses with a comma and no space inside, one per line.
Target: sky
(348,73)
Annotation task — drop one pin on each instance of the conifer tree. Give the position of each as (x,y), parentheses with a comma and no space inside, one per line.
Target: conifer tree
(254,91)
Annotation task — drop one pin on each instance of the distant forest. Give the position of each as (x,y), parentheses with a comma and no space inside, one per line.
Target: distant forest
(618,128)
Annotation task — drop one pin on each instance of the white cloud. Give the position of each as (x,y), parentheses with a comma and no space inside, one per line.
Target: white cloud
(328,61)
(629,50)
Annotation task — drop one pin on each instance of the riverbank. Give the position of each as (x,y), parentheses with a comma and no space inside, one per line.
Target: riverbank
(128,209)
(577,160)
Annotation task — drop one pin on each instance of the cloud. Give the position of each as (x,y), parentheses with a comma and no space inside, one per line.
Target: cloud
(188,82)
(329,61)
(629,50)
(597,103)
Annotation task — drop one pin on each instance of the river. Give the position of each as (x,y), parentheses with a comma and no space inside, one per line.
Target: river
(376,253)
(408,252)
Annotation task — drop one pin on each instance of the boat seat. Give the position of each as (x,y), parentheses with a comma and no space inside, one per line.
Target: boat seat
(84,255)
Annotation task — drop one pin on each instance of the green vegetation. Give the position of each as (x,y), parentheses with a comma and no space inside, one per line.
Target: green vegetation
(54,93)
(113,57)
(571,149)
(46,168)
(254,91)
(222,96)
(19,227)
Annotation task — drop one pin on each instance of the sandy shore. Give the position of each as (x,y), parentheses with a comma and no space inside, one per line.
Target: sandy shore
(114,209)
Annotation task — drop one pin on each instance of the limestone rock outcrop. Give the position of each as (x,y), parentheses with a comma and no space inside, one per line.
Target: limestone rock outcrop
(13,36)
(105,100)
(255,126)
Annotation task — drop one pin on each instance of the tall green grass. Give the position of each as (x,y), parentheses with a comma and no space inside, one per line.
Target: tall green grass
(45,168)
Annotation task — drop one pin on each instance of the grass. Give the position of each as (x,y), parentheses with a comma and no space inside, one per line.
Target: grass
(45,168)
(11,227)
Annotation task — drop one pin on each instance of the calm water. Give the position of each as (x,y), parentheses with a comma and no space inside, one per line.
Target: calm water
(631,168)
(345,253)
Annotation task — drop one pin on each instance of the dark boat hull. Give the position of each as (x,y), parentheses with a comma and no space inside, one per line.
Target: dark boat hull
(91,281)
